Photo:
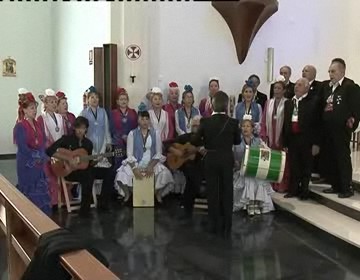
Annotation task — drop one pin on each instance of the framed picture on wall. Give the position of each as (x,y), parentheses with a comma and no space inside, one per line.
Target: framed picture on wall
(9,67)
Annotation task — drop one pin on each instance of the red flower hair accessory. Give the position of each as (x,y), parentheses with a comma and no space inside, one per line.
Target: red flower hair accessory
(60,95)
(173,85)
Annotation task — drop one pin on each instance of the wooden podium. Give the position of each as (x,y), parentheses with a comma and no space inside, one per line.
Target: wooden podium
(143,203)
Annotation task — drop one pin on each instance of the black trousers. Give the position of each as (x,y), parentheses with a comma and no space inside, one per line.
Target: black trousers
(338,157)
(300,163)
(193,174)
(86,179)
(219,186)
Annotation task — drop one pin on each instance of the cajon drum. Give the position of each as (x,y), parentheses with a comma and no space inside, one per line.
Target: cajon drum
(143,192)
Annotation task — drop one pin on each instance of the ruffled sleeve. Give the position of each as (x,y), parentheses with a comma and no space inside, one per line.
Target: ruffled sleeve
(130,149)
(158,155)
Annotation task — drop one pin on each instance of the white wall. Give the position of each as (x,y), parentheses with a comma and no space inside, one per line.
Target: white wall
(26,37)
(77,28)
(195,43)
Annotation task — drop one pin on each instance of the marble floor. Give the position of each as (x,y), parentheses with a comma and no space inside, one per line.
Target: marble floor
(153,244)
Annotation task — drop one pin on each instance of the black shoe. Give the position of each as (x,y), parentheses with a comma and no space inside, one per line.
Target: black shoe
(330,190)
(346,194)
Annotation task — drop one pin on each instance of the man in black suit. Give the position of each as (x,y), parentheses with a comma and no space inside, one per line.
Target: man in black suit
(340,116)
(309,72)
(301,137)
(219,133)
(285,71)
(259,97)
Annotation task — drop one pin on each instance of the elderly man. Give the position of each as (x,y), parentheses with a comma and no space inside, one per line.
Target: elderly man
(309,72)
(340,104)
(300,137)
(285,71)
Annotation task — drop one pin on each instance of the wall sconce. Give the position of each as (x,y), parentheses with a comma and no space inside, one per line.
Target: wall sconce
(132,77)
(270,64)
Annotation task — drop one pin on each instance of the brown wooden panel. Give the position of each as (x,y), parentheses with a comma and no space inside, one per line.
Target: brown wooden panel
(24,225)
(99,72)
(110,75)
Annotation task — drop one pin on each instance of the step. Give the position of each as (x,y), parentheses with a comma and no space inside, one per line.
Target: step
(328,220)
(347,206)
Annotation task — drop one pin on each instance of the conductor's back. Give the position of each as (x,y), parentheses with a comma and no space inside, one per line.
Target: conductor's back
(219,133)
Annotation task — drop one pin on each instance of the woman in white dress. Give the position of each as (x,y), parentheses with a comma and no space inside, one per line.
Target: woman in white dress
(158,117)
(54,127)
(250,193)
(184,115)
(144,158)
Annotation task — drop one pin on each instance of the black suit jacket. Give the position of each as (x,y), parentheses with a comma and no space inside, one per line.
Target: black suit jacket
(346,103)
(219,133)
(308,119)
(289,90)
(315,89)
(260,99)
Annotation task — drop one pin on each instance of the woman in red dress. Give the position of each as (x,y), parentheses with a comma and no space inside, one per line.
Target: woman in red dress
(62,109)
(122,120)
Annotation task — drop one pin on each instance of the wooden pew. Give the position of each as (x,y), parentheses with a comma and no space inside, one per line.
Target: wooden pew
(23,223)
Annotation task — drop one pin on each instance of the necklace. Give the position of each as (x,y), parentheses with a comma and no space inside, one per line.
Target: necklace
(94,114)
(33,126)
(158,117)
(124,115)
(144,138)
(188,117)
(53,116)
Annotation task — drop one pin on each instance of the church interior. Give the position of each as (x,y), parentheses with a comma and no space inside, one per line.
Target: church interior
(142,45)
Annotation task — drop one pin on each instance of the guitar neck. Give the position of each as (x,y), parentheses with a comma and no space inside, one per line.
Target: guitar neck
(91,157)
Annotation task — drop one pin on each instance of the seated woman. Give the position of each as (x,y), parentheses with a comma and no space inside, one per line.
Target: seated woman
(184,115)
(249,107)
(144,158)
(250,193)
(62,109)
(159,118)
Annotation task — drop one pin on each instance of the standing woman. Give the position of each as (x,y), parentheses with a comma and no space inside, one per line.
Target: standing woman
(184,115)
(62,109)
(99,134)
(248,107)
(122,120)
(159,118)
(30,139)
(53,125)
(205,105)
(171,107)
(272,126)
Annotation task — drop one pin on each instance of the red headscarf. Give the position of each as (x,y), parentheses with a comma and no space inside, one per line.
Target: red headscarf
(60,95)
(121,91)
(25,99)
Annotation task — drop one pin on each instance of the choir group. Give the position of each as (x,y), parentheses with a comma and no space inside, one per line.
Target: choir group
(312,121)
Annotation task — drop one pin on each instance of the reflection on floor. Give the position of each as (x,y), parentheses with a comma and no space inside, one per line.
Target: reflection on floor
(154,244)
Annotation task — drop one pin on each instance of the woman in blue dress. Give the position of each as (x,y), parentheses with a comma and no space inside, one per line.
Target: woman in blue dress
(30,157)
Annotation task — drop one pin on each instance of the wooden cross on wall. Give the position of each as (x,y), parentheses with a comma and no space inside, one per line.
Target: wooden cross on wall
(245,18)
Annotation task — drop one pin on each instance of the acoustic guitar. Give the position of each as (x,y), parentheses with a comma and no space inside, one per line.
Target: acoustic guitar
(61,165)
(179,154)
